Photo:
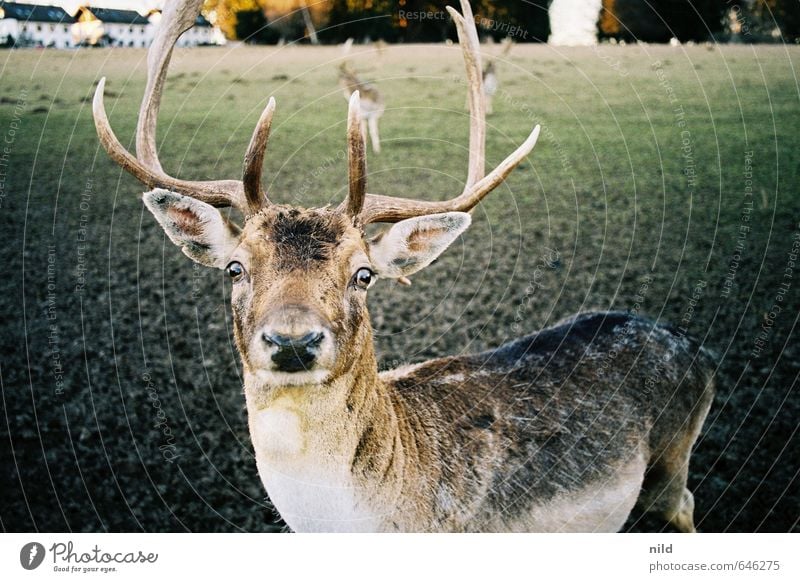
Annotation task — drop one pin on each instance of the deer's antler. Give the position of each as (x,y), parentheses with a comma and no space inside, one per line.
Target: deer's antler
(377,208)
(357,159)
(246,194)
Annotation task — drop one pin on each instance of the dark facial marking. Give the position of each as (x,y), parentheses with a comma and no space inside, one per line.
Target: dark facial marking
(404,262)
(197,247)
(293,359)
(304,239)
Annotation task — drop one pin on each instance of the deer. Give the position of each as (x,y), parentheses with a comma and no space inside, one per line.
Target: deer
(569,428)
(490,81)
(371,105)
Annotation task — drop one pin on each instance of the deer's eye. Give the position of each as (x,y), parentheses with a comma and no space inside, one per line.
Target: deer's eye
(235,270)
(363,278)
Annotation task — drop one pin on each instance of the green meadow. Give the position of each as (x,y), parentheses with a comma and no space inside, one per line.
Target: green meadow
(665,181)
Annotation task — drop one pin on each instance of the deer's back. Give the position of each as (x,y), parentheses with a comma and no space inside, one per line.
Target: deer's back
(549,414)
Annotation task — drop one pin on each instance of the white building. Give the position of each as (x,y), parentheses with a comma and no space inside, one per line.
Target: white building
(109,27)
(35,25)
(51,26)
(201,34)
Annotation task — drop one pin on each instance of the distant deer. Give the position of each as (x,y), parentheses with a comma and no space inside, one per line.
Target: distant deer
(371,106)
(490,81)
(561,430)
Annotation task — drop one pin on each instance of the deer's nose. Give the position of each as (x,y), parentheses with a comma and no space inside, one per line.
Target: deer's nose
(293,353)
(311,339)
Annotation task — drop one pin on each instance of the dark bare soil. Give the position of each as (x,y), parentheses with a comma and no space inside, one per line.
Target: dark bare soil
(121,391)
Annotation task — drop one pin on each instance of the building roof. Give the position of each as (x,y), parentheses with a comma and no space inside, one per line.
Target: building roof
(113,16)
(41,13)
(200,21)
(35,13)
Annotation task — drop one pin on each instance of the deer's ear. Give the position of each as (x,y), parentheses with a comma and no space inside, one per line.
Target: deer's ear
(413,244)
(198,228)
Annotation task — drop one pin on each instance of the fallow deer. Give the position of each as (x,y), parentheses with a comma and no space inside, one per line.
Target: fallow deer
(561,430)
(490,81)
(371,105)
(489,85)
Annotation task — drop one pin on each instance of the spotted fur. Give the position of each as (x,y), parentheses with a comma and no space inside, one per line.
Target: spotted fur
(532,423)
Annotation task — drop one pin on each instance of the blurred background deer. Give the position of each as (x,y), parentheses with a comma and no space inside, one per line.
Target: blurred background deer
(371,101)
(490,80)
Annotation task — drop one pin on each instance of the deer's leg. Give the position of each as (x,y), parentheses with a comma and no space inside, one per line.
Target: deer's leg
(664,491)
(374,135)
(682,515)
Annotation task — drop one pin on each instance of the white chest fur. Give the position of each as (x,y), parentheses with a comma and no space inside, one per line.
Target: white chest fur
(306,475)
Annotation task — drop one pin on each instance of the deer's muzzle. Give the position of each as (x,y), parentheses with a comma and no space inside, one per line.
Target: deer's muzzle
(293,354)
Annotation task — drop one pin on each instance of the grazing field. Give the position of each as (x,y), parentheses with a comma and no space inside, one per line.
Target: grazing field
(665,182)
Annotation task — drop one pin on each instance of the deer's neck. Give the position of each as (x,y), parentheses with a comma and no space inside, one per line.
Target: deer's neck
(331,454)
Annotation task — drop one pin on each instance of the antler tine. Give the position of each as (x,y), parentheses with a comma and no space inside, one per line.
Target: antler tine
(178,17)
(254,160)
(219,193)
(379,208)
(357,158)
(470,48)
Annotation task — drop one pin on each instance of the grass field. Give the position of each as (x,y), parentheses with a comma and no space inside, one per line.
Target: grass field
(665,181)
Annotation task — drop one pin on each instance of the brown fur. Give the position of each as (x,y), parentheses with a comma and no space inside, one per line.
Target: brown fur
(185,221)
(478,442)
(349,81)
(531,421)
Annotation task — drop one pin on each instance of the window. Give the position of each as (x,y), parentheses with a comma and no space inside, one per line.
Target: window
(38,28)
(130,29)
(66,29)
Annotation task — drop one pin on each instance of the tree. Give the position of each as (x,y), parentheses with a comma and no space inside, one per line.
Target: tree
(526,21)
(696,20)
(428,20)
(222,13)
(661,20)
(251,26)
(361,20)
(284,17)
(783,14)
